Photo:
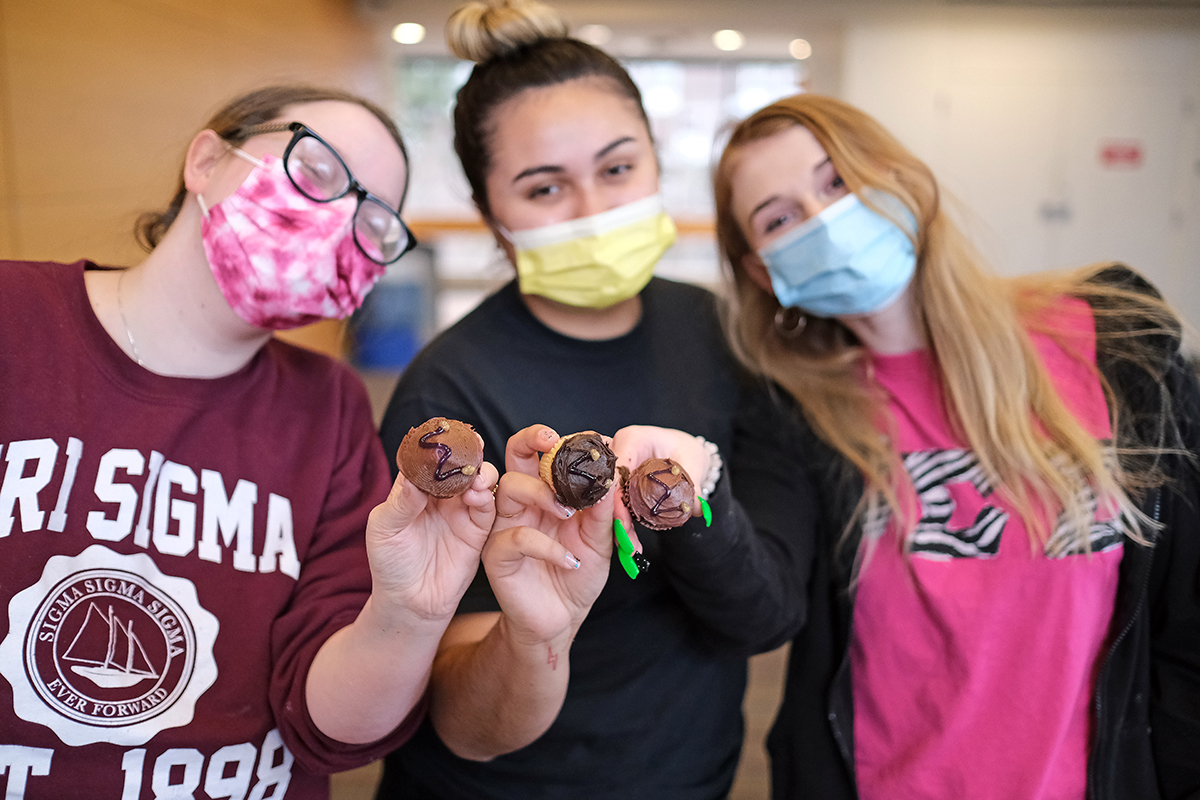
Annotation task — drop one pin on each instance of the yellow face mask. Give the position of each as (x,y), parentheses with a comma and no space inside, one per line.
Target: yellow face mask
(596,261)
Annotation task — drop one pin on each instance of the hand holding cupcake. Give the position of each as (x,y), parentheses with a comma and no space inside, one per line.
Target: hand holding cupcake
(546,560)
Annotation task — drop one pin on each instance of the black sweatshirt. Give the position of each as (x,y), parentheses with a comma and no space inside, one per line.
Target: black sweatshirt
(658,669)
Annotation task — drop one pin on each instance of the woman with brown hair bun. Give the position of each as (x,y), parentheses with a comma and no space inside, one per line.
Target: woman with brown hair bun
(1004,602)
(583,683)
(190,606)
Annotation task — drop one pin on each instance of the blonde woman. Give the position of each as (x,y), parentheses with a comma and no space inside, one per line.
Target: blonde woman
(1005,597)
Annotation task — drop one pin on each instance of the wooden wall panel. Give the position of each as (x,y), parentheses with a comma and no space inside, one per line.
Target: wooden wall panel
(102,97)
(6,209)
(99,99)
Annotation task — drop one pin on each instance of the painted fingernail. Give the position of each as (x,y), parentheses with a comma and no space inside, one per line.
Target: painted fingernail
(707,509)
(567,512)
(572,561)
(629,565)
(624,544)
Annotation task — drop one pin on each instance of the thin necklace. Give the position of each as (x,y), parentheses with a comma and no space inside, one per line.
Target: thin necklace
(128,334)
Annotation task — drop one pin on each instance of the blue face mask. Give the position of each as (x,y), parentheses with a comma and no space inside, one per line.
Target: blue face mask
(846,260)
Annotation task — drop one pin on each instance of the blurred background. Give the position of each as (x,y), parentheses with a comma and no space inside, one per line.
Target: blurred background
(1066,131)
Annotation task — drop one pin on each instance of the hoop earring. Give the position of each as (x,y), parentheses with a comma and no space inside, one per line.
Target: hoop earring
(790,322)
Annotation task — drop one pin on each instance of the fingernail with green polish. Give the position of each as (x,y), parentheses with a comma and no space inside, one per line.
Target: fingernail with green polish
(625,552)
(624,543)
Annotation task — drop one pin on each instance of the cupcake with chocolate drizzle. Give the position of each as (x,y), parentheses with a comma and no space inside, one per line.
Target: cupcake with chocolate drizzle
(659,493)
(579,468)
(441,456)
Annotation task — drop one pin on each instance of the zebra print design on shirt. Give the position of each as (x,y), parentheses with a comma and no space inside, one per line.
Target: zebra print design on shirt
(932,472)
(1103,534)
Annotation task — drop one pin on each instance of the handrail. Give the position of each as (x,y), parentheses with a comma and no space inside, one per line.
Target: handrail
(429,228)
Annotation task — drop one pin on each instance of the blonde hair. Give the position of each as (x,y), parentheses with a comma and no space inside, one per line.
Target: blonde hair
(999,397)
(480,30)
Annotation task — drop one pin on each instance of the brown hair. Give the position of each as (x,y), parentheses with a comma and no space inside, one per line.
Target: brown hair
(241,114)
(517,45)
(999,397)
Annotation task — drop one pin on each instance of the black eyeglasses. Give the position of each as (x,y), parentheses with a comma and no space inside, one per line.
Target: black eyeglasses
(320,174)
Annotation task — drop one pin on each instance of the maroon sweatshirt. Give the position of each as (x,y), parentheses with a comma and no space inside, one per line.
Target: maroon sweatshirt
(173,553)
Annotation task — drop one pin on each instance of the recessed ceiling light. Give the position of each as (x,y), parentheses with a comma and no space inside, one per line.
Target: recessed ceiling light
(408,33)
(800,49)
(597,35)
(728,40)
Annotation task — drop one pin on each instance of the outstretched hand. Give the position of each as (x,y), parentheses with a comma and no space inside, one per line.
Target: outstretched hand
(546,563)
(425,550)
(634,444)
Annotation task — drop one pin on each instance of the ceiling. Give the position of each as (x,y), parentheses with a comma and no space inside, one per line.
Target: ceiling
(683,29)
(758,12)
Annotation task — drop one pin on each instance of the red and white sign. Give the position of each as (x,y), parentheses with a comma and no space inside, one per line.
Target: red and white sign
(1121,154)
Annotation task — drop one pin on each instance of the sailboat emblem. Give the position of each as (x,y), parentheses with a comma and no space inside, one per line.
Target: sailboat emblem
(104,647)
(107,652)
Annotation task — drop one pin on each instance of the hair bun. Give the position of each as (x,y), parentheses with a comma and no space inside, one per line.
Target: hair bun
(484,29)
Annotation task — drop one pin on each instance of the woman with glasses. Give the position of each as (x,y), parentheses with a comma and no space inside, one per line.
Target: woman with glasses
(608,681)
(190,607)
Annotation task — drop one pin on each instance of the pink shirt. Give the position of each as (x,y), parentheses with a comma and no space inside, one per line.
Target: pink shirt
(974,657)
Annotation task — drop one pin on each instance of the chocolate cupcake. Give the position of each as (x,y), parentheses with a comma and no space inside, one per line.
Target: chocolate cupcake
(441,456)
(579,468)
(659,493)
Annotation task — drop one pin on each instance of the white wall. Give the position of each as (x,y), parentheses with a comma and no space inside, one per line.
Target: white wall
(1012,117)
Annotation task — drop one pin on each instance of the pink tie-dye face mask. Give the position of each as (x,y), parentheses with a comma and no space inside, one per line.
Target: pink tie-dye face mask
(282,260)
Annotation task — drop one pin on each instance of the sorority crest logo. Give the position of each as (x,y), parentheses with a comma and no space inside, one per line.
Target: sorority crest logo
(105,648)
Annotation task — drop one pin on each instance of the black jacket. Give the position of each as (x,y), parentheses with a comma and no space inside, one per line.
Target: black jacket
(1146,741)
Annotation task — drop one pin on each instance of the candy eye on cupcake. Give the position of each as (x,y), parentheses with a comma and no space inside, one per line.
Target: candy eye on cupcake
(441,456)
(659,493)
(580,468)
